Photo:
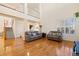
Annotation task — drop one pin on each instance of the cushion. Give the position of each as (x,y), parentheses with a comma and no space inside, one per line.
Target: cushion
(34,34)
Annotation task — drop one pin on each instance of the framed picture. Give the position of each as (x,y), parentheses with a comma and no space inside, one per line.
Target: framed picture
(62,29)
(67,30)
(72,31)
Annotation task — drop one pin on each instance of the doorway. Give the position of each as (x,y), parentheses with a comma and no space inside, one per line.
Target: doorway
(8,28)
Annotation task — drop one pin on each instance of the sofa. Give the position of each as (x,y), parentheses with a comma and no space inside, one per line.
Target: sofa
(54,35)
(32,35)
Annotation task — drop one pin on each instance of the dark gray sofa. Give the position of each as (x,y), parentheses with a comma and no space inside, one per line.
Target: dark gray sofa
(54,35)
(32,35)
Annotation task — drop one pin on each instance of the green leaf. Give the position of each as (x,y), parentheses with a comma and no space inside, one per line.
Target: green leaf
(77,14)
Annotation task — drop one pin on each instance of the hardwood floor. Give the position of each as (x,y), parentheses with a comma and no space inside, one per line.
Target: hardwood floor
(41,47)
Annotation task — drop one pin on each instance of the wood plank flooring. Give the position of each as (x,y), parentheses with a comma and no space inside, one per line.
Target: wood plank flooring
(41,47)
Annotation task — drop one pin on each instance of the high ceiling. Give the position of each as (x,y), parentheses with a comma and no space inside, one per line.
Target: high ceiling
(33,6)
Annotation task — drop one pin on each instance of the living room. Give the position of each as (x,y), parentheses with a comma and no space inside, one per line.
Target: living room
(27,28)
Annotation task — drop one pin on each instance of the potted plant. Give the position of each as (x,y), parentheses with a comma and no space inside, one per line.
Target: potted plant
(77,14)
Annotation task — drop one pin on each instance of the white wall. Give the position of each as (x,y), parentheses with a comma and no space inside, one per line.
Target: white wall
(52,14)
(34,28)
(10,12)
(15,6)
(1,24)
(33,10)
(21,23)
(18,25)
(18,28)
